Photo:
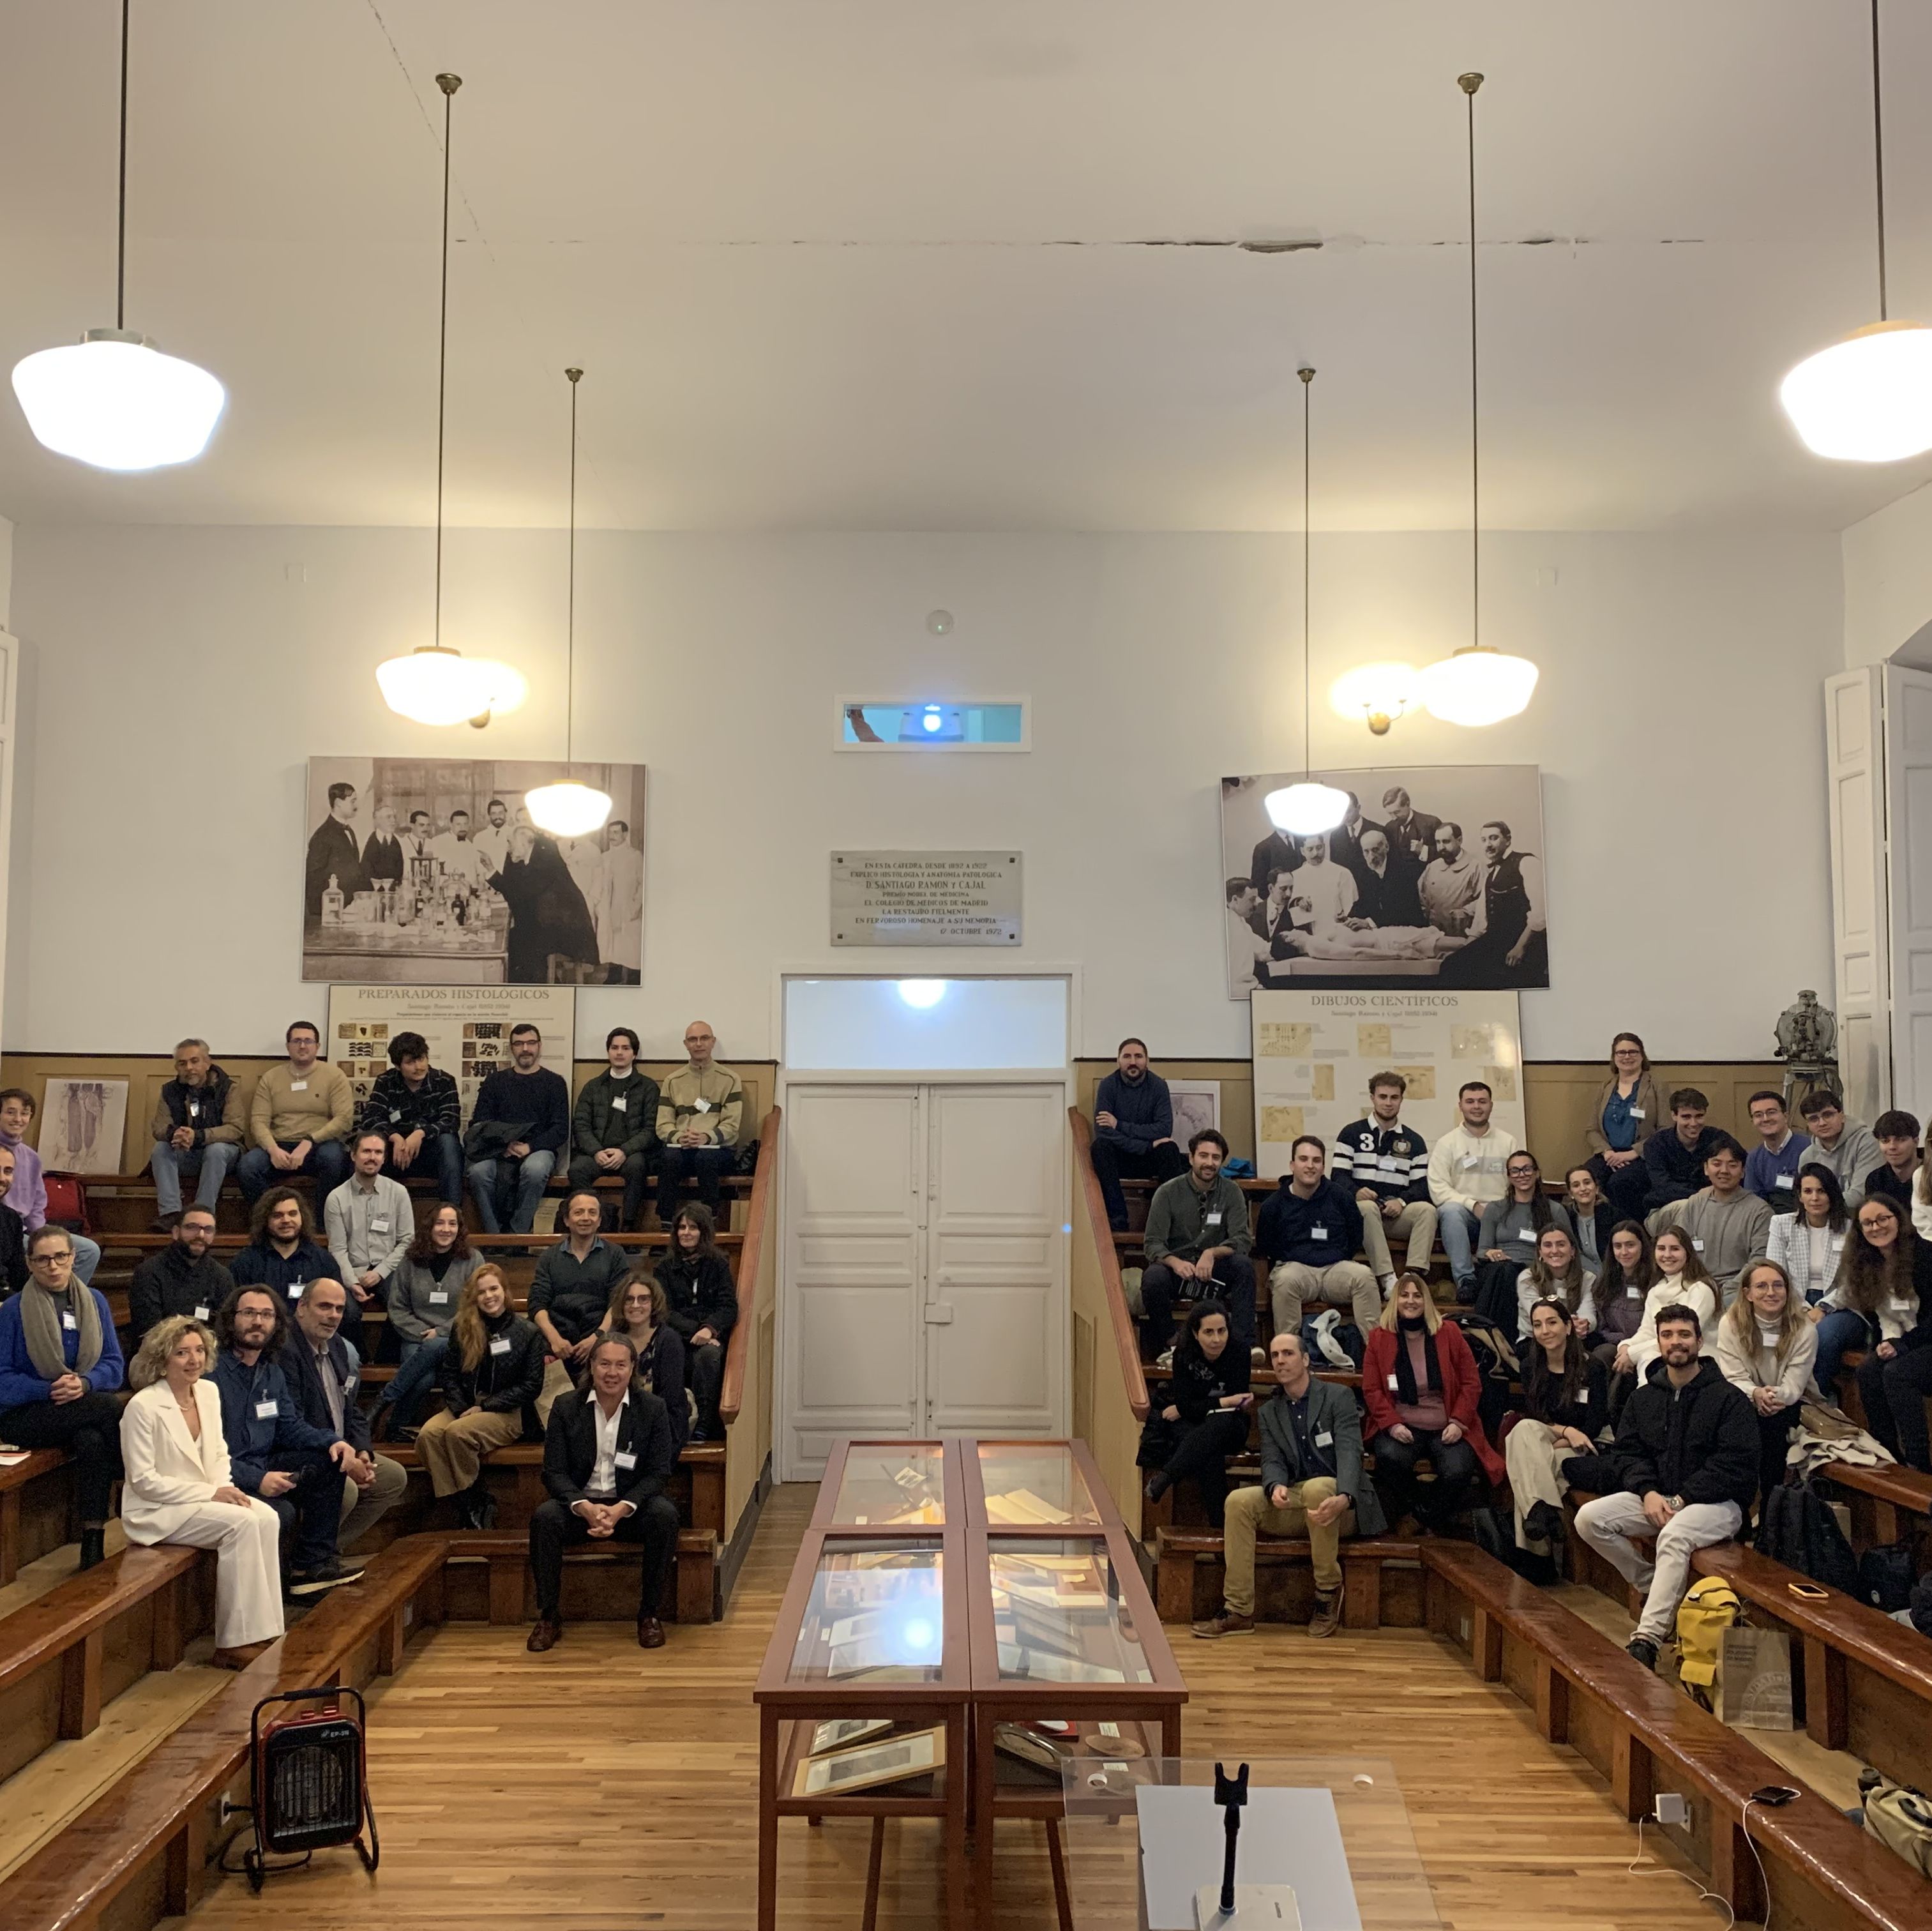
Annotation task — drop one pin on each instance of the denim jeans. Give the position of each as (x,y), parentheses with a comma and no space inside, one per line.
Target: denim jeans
(86,1255)
(1458,1227)
(212,1162)
(1841,1329)
(327,1161)
(442,1154)
(509,1190)
(415,1374)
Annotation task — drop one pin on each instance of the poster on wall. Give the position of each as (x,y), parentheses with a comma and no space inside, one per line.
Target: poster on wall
(83,1123)
(427,871)
(1314,1053)
(1436,877)
(466,1028)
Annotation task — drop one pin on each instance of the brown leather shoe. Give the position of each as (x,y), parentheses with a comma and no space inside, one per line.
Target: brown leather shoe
(650,1633)
(546,1635)
(1328,1616)
(1228,1623)
(239,1658)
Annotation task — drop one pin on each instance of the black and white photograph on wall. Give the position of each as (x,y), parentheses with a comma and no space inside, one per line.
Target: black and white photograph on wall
(1435,874)
(430,872)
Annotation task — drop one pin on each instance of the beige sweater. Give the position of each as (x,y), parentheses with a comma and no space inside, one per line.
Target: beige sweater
(278,1115)
(711,1103)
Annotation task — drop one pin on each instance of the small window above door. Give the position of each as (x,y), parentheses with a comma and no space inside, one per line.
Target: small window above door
(917,1024)
(933,724)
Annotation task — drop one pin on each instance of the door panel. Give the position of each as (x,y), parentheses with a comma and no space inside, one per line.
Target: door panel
(1908,786)
(1855,771)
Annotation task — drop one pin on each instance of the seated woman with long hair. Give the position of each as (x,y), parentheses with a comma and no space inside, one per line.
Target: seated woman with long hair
(1622,1289)
(638,1309)
(703,1307)
(1205,1419)
(492,1373)
(1886,1278)
(1420,1388)
(1565,1406)
(1766,1347)
(1558,1274)
(1595,1214)
(1507,1235)
(1683,1280)
(178,1488)
(1873,1297)
(1809,1241)
(425,1293)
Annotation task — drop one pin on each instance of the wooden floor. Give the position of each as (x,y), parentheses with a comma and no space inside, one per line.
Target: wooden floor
(601,1788)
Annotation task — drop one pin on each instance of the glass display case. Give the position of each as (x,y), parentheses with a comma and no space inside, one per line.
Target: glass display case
(896,1485)
(874,1612)
(1035,1486)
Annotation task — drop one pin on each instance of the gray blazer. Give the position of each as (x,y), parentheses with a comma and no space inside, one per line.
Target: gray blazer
(1332,1408)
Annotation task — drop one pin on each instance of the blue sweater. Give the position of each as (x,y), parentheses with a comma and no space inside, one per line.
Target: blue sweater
(1763,1167)
(1145,1113)
(20,1382)
(255,1441)
(1318,1232)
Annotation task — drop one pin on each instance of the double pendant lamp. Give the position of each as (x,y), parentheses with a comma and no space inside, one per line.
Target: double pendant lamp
(1309,806)
(1868,399)
(112,399)
(434,683)
(570,808)
(1479,684)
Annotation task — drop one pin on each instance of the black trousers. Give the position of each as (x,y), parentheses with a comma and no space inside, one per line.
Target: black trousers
(310,1511)
(1458,1474)
(1774,1442)
(708,1166)
(585,1171)
(1160,1287)
(1626,1187)
(554,1528)
(89,1429)
(1893,1392)
(1200,1454)
(704,1376)
(1113,1163)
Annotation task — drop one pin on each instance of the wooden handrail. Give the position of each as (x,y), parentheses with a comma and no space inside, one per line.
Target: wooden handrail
(730,1396)
(1126,1342)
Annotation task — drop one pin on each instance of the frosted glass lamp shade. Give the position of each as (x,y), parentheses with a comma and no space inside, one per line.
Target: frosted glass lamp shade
(113,400)
(437,685)
(1302,810)
(1868,399)
(568,808)
(1478,686)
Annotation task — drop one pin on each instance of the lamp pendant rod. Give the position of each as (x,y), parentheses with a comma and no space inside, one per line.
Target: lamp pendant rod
(1307,375)
(449,83)
(1878,157)
(1469,82)
(120,233)
(570,623)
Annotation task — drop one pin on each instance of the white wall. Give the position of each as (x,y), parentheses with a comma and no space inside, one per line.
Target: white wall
(1888,564)
(177,678)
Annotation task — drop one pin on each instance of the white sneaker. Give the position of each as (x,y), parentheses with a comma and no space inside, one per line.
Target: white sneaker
(1388,1285)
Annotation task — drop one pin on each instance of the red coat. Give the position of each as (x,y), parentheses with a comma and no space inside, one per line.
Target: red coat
(1459,1389)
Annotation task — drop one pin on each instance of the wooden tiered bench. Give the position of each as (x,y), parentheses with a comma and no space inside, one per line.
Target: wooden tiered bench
(1381,1579)
(36,1509)
(1888,1504)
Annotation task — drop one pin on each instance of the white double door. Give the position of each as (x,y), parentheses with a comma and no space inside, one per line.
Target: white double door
(924,1268)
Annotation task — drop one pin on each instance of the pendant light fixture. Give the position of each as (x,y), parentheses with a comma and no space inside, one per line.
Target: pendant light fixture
(434,683)
(1303,809)
(1868,399)
(1478,685)
(112,399)
(570,808)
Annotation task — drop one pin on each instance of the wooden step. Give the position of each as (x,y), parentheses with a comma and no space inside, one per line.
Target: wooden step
(1381,1580)
(36,1509)
(597,1585)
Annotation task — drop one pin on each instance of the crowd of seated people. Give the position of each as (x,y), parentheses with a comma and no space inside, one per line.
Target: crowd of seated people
(1679,1275)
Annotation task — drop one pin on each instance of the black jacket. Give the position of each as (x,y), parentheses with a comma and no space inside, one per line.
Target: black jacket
(1588,1416)
(1287,1226)
(500,1383)
(210,1101)
(537,1103)
(701,1292)
(570,1447)
(305,1380)
(169,1282)
(1676,1171)
(577,1294)
(1699,1441)
(12,1253)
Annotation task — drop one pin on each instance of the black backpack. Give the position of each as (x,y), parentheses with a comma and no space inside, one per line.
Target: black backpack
(1885,1577)
(1495,1365)
(1795,1527)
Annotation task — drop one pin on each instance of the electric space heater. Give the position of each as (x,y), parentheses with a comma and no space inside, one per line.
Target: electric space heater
(308,1770)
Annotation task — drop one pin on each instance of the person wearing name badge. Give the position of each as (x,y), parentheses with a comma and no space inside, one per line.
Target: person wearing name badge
(1726,1224)
(1808,1240)
(701,1304)
(1558,1274)
(425,1293)
(1767,1347)
(1309,1228)
(1565,1406)
(1204,1421)
(282,1253)
(1387,1164)
(1885,1282)
(198,1127)
(614,1126)
(370,1221)
(641,1309)
(1673,1156)
(183,1278)
(1593,1214)
(1467,1168)
(569,1293)
(1196,1242)
(607,1455)
(1629,1107)
(1772,1171)
(1846,1146)
(1897,1132)
(519,1128)
(417,1108)
(1682,1280)
(299,1115)
(489,1377)
(701,1116)
(1623,1289)
(26,1193)
(324,1373)
(60,1365)
(273,1452)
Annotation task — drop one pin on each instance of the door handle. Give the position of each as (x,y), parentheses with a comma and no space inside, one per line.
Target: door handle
(938,1313)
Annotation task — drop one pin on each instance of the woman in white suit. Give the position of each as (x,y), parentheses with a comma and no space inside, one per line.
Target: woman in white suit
(178,1489)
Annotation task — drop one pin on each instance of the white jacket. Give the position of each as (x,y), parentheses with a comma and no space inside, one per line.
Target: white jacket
(1465,1171)
(169,1475)
(1790,1246)
(1695,1294)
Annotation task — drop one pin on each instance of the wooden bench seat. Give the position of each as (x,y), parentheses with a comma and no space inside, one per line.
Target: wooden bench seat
(36,1509)
(1644,1735)
(1380,1579)
(489,1579)
(1889,1503)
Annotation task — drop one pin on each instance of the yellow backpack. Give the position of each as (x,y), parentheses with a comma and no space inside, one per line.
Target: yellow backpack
(1703,1616)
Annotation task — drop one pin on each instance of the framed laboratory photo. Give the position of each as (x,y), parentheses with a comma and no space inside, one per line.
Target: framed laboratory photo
(1435,877)
(82,1125)
(429,872)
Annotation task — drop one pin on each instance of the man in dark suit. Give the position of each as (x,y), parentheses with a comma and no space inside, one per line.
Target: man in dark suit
(1277,852)
(1344,842)
(1409,830)
(1385,881)
(332,853)
(382,855)
(608,1454)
